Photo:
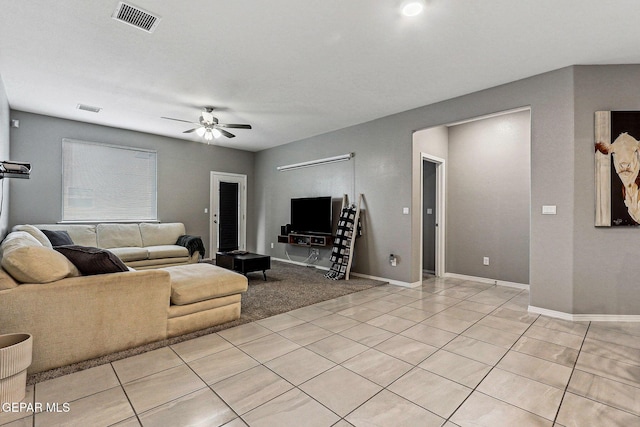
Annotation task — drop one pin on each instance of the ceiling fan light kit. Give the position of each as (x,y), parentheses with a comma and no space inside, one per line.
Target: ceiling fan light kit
(209,127)
(412,7)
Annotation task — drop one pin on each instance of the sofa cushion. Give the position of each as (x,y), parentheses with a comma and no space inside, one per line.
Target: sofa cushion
(92,261)
(118,236)
(27,261)
(161,234)
(81,234)
(167,251)
(198,282)
(158,263)
(131,254)
(35,232)
(6,281)
(58,238)
(197,307)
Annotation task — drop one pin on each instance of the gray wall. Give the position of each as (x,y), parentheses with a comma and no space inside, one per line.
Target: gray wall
(374,172)
(488,198)
(573,266)
(384,172)
(605,259)
(550,97)
(4,155)
(183,171)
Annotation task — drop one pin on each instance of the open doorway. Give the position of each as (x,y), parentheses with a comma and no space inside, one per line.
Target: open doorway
(488,198)
(433,209)
(429,223)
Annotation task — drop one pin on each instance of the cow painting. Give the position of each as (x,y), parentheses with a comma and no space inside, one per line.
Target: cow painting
(624,152)
(617,187)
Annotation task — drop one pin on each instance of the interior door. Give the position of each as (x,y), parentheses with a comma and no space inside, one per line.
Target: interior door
(429,212)
(228,212)
(433,214)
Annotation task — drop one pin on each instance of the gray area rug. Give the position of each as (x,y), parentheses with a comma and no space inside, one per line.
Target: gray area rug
(288,286)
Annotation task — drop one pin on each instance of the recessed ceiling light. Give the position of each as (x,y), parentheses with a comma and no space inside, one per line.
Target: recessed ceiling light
(412,8)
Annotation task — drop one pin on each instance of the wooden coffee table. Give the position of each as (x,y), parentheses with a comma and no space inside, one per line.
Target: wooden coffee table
(244,262)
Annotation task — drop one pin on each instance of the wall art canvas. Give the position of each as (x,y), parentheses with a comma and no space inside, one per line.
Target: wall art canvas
(617,146)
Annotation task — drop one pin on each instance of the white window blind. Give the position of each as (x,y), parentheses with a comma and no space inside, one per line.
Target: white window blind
(108,183)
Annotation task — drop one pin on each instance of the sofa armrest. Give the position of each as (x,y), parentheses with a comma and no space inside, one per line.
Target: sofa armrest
(81,318)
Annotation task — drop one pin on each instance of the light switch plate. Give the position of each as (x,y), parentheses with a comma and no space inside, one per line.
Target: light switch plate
(549,210)
(405,211)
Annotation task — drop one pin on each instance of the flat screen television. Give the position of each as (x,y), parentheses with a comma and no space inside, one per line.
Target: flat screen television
(311,215)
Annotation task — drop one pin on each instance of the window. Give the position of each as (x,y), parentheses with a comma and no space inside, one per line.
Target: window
(108,183)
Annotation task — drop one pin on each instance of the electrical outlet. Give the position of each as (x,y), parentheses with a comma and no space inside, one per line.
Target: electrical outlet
(485,260)
(271,245)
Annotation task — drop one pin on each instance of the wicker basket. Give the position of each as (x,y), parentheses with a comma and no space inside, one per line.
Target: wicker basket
(15,358)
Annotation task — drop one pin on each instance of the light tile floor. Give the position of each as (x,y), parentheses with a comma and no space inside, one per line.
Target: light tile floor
(451,352)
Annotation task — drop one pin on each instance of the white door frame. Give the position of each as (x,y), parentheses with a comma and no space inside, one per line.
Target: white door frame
(214,195)
(440,212)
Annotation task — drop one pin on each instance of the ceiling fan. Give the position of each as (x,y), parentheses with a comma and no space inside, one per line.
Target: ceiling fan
(209,127)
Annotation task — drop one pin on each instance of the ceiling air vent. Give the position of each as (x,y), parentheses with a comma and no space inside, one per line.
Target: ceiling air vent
(136,17)
(89,108)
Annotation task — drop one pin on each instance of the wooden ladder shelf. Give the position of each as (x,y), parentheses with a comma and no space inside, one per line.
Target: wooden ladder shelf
(344,243)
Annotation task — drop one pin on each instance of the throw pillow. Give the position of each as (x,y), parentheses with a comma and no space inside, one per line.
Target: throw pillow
(92,261)
(58,238)
(27,261)
(35,232)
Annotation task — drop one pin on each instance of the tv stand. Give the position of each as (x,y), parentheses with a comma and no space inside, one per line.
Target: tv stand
(299,239)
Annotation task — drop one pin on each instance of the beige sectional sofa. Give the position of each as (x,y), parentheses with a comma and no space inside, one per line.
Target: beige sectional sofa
(141,246)
(74,317)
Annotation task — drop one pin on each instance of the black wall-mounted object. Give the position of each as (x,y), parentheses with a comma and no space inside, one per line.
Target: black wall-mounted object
(311,215)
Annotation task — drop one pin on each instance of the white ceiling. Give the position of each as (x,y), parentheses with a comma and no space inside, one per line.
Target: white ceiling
(291,68)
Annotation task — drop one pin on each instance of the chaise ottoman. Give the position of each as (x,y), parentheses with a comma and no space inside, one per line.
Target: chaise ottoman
(202,295)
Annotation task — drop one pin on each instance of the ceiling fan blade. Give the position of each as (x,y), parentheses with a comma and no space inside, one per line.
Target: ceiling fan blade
(227,134)
(190,130)
(234,126)
(179,120)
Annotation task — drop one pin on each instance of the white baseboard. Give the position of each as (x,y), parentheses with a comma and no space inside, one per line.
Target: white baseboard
(551,313)
(391,281)
(585,317)
(488,281)
(364,276)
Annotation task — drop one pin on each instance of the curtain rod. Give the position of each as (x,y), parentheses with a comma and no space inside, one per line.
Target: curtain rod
(317,162)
